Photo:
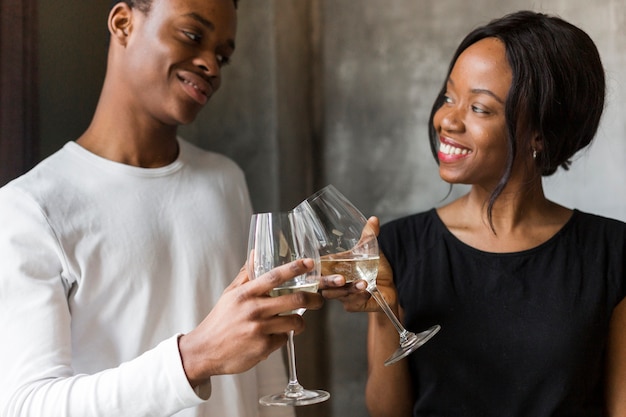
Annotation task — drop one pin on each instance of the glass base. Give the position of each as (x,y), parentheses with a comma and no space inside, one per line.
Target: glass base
(410,344)
(304,397)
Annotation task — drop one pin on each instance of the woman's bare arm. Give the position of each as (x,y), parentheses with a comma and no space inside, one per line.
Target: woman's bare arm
(616,363)
(388,389)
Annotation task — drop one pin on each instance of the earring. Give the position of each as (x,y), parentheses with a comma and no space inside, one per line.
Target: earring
(534,153)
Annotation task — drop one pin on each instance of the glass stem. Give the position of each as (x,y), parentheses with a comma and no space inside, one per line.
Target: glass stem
(294,389)
(372,289)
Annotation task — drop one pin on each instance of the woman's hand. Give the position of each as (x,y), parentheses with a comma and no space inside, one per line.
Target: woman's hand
(354,296)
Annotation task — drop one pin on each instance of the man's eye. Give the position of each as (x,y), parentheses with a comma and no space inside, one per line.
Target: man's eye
(222,60)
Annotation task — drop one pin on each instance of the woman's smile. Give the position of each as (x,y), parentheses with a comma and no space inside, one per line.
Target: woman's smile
(451,151)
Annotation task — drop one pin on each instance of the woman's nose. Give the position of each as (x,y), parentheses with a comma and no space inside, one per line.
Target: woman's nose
(451,118)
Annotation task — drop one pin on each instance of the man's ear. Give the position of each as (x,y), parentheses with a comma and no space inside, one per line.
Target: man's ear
(120,22)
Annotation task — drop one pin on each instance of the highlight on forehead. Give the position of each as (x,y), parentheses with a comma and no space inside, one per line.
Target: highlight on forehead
(486,63)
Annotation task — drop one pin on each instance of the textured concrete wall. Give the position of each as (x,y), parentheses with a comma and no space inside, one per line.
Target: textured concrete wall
(72,48)
(339,91)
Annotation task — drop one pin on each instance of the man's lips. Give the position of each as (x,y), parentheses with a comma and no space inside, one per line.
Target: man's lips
(196,87)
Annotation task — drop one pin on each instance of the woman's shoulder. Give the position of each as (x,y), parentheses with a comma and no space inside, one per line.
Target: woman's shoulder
(411,222)
(587,222)
(411,231)
(596,232)
(599,218)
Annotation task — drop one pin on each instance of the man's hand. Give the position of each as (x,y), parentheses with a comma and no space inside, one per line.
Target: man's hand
(245,327)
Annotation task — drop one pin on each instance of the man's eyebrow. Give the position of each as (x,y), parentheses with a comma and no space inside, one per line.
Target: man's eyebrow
(208,24)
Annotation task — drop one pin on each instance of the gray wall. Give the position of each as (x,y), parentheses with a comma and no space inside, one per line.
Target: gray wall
(339,91)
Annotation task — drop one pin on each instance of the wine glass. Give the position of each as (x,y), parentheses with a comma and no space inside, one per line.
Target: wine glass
(349,247)
(275,239)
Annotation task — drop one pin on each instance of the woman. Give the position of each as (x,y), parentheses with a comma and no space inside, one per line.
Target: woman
(528,292)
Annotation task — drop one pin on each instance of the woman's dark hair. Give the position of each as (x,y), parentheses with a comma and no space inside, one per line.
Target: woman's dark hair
(557,89)
(144,5)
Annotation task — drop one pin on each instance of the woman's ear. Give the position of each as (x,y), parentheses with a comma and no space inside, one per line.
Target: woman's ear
(120,22)
(537,144)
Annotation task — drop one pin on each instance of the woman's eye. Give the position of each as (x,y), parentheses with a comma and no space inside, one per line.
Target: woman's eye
(447,99)
(477,109)
(193,36)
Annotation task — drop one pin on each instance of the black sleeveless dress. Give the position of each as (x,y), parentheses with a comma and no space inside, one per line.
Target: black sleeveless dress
(523,334)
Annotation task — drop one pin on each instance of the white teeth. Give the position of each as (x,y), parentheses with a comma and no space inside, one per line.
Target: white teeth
(452,150)
(191,84)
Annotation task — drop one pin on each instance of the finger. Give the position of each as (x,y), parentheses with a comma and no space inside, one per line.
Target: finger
(332,281)
(306,300)
(361,296)
(355,288)
(281,325)
(353,302)
(280,275)
(277,340)
(360,285)
(374,223)
(357,302)
(383,261)
(289,303)
(241,278)
(335,293)
(372,227)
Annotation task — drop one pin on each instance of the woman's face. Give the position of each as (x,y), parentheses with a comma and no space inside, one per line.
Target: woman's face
(471,122)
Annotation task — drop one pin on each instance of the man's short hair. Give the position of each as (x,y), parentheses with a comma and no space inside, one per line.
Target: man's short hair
(144,5)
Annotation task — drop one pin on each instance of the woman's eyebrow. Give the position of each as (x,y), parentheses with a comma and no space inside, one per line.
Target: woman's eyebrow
(488,92)
(481,91)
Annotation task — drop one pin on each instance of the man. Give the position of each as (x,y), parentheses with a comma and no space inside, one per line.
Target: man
(113,249)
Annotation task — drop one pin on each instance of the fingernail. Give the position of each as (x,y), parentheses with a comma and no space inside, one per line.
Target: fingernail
(360,285)
(308,262)
(338,280)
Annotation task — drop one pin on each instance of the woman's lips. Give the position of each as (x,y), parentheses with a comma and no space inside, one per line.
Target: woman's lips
(450,150)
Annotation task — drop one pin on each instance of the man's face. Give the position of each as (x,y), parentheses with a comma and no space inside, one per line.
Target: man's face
(174,56)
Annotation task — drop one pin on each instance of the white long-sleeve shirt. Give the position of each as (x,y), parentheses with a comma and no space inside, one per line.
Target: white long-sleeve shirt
(102,265)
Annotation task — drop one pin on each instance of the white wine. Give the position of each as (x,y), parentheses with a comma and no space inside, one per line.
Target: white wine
(290,289)
(352,269)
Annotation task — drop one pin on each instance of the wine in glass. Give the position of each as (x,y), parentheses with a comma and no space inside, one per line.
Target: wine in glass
(276,239)
(348,246)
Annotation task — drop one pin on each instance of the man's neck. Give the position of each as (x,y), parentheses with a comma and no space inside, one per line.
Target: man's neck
(121,135)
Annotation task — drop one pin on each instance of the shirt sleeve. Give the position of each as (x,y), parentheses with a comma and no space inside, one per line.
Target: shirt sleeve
(36,376)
